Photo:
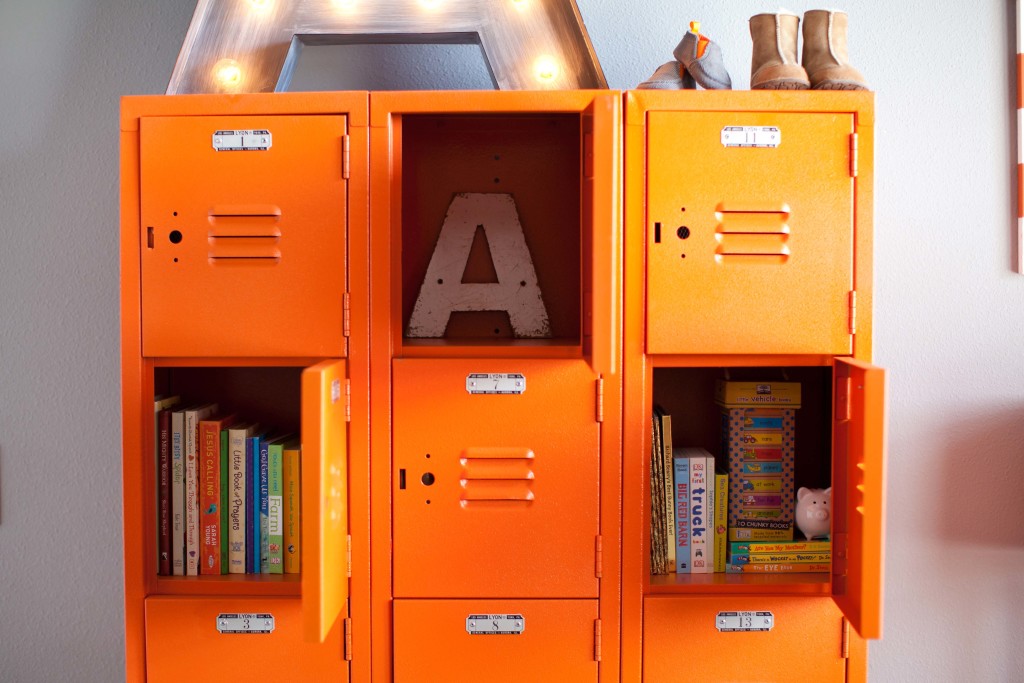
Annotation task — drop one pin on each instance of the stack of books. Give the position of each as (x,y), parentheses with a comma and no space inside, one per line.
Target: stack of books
(779,557)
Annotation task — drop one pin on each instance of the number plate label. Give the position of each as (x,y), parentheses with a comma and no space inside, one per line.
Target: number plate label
(496,383)
(751,136)
(245,623)
(744,621)
(495,624)
(242,140)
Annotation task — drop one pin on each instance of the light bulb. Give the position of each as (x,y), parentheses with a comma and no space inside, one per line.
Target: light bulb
(261,6)
(344,4)
(228,74)
(545,69)
(520,4)
(430,4)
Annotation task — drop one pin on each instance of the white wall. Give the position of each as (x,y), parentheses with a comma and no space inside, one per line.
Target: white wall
(949,315)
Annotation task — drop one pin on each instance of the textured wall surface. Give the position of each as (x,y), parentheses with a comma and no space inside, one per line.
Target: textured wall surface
(949,315)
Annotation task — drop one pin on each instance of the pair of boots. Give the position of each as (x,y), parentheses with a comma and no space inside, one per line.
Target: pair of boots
(824,64)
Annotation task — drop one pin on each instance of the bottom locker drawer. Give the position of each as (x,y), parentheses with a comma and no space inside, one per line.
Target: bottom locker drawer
(682,640)
(476,640)
(184,641)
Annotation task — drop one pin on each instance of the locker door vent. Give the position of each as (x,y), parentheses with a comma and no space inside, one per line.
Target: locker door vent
(750,234)
(496,476)
(244,235)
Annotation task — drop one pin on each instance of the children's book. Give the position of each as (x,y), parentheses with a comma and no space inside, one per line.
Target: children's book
(193,416)
(721,519)
(671,513)
(292,509)
(237,437)
(210,483)
(681,478)
(178,493)
(275,505)
(163,495)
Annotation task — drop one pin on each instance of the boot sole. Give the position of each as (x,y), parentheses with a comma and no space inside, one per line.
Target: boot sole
(781,85)
(839,85)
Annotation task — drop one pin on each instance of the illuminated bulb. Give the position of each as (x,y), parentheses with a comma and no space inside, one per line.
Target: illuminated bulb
(520,4)
(430,4)
(228,74)
(344,4)
(545,69)
(261,5)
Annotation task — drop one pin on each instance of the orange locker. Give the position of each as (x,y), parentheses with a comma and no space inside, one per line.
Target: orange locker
(470,640)
(496,443)
(479,484)
(698,640)
(750,246)
(748,257)
(221,638)
(237,290)
(222,228)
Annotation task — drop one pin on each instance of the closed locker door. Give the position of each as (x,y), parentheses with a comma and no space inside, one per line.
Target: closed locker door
(495,494)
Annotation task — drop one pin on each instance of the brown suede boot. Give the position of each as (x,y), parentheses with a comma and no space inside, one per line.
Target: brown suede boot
(774,65)
(825,57)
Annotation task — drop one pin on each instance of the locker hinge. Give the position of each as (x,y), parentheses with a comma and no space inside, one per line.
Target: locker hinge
(346,157)
(347,641)
(346,313)
(597,640)
(600,399)
(853,155)
(846,639)
(348,400)
(348,556)
(853,311)
(598,556)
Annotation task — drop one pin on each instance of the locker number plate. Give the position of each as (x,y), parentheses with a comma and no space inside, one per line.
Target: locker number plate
(242,140)
(751,136)
(496,383)
(744,621)
(245,623)
(495,624)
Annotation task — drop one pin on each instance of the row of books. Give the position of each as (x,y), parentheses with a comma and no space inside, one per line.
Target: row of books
(228,494)
(689,504)
(779,557)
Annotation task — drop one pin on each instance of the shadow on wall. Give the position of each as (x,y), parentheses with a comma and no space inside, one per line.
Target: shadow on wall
(982,475)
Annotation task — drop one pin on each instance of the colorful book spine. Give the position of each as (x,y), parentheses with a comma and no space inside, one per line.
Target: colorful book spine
(700,527)
(778,568)
(192,532)
(225,498)
(671,522)
(210,496)
(681,478)
(264,509)
(763,547)
(292,509)
(237,436)
(783,558)
(761,468)
(721,519)
(738,533)
(164,492)
(178,493)
(760,484)
(252,511)
(275,508)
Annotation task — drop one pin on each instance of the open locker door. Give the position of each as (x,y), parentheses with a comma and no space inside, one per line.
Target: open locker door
(601,232)
(324,498)
(858,494)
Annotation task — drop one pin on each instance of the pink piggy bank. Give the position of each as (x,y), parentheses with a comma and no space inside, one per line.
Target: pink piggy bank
(812,512)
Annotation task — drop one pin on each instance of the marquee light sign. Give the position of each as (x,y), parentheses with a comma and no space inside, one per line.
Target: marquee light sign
(237,46)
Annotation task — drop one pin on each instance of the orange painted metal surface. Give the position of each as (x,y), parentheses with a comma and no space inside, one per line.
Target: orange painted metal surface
(183,643)
(557,642)
(858,503)
(682,642)
(240,243)
(163,614)
(678,330)
(750,249)
(495,495)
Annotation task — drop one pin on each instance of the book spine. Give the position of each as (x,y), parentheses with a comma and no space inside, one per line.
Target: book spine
(671,522)
(209,499)
(264,511)
(761,548)
(783,558)
(681,476)
(699,547)
(292,507)
(225,498)
(191,494)
(164,491)
(779,568)
(236,509)
(737,533)
(721,516)
(275,511)
(178,493)
(252,514)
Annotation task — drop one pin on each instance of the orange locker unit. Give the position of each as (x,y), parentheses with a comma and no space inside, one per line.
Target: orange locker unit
(495,425)
(748,257)
(244,284)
